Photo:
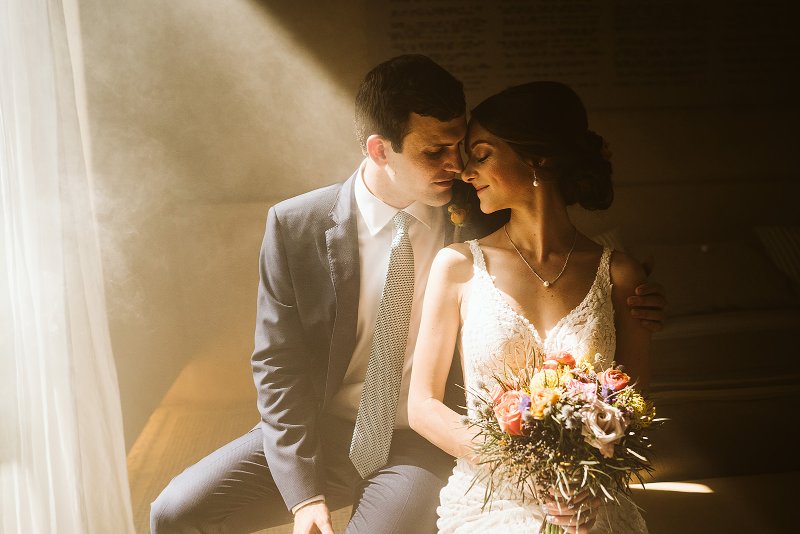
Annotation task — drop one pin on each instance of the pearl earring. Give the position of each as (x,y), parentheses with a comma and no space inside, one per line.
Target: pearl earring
(535,179)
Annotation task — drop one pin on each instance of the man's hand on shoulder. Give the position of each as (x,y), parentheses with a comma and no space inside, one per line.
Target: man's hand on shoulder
(649,302)
(313,518)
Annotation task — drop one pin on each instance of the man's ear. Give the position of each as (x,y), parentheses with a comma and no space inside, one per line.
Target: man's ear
(376,149)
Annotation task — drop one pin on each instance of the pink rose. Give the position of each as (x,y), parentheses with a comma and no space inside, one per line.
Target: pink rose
(506,410)
(496,394)
(614,379)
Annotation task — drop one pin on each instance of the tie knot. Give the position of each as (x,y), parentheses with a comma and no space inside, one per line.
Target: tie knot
(401,222)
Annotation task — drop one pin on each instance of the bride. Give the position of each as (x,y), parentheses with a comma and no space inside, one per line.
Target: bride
(534,284)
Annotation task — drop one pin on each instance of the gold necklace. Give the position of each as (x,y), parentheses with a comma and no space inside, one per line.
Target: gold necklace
(546,283)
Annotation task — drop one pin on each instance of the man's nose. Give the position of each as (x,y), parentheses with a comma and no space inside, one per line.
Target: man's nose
(454,162)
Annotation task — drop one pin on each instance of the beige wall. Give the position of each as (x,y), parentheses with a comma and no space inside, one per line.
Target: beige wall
(203,113)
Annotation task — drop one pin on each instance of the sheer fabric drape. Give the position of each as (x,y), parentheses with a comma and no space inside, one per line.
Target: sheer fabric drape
(62,454)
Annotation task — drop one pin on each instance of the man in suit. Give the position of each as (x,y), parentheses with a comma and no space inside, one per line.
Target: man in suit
(325,267)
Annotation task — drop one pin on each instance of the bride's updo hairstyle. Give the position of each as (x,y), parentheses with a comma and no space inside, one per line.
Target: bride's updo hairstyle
(547,119)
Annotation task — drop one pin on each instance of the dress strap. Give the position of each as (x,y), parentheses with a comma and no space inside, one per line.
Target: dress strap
(478,261)
(603,270)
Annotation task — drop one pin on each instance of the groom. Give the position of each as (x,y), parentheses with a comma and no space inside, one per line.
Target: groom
(335,331)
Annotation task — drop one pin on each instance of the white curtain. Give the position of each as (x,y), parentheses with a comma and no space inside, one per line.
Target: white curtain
(62,454)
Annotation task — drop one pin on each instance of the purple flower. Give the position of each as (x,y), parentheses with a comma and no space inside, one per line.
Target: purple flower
(582,391)
(524,403)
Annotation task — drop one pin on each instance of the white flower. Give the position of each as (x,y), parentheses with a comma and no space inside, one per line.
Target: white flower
(603,426)
(567,415)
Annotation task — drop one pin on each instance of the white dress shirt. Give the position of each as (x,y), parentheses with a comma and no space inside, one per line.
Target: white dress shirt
(374,239)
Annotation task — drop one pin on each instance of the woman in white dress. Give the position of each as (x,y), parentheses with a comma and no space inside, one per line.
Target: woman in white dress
(536,284)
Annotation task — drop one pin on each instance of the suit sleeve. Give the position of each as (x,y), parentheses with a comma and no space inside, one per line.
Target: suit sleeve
(281,371)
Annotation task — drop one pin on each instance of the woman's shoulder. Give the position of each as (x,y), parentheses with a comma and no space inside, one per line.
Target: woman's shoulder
(625,270)
(454,261)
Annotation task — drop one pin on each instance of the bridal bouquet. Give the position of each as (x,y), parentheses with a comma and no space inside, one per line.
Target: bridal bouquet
(563,427)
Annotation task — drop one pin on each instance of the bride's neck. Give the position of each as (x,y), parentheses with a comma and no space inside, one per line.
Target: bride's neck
(541,231)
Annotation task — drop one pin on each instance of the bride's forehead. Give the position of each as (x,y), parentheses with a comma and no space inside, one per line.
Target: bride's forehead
(475,133)
(475,127)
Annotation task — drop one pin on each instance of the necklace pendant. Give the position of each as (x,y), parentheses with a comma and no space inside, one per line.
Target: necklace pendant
(546,283)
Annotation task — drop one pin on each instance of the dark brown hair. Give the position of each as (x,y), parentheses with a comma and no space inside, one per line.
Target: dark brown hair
(403,85)
(548,119)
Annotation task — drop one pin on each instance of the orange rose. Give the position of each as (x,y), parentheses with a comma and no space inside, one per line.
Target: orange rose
(507,412)
(562,358)
(541,399)
(565,358)
(614,379)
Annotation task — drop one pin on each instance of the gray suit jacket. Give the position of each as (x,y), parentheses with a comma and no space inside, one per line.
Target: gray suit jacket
(306,324)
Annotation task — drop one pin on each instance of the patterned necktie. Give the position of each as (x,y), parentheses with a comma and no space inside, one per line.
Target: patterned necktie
(377,408)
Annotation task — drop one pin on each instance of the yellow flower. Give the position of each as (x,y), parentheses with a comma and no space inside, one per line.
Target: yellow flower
(585,365)
(643,412)
(457,215)
(541,399)
(549,378)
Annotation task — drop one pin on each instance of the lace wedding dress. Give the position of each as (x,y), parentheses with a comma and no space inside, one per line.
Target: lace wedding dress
(494,337)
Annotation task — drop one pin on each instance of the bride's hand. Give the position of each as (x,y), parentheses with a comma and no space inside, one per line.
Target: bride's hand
(576,515)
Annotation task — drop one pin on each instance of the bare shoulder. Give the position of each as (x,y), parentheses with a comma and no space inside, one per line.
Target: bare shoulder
(453,262)
(625,270)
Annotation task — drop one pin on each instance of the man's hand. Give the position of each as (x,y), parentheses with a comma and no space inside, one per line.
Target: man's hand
(649,302)
(313,518)
(648,305)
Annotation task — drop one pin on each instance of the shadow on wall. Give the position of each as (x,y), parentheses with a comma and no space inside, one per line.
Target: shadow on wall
(334,35)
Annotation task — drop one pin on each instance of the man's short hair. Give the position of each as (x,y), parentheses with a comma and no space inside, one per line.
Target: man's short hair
(405,84)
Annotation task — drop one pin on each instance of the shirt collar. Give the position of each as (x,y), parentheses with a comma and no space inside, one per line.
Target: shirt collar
(377,213)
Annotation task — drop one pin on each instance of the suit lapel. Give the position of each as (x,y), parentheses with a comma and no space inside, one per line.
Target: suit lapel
(342,247)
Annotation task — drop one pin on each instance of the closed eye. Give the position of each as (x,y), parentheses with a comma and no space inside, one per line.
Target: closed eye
(479,159)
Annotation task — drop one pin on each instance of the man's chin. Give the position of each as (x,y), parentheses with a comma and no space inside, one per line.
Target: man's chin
(440,198)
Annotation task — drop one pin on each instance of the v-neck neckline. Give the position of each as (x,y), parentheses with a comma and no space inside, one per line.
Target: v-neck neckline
(548,333)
